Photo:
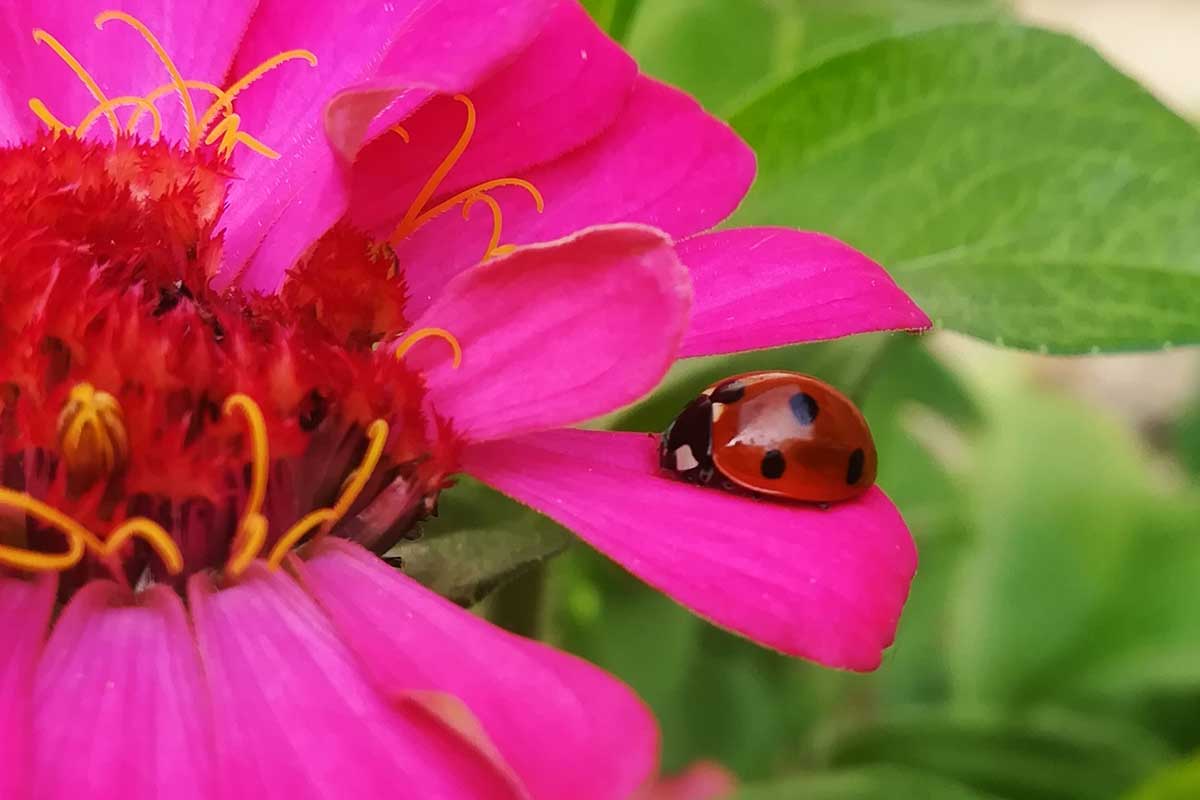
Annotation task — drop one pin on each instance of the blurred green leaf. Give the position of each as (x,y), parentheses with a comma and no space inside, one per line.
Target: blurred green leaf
(869,783)
(1082,583)
(479,540)
(1042,757)
(1018,186)
(759,43)
(1054,531)
(614,16)
(1179,781)
(1187,438)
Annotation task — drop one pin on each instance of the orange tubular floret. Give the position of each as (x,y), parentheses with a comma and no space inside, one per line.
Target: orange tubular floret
(252,527)
(402,132)
(185,96)
(412,338)
(326,518)
(153,534)
(41,37)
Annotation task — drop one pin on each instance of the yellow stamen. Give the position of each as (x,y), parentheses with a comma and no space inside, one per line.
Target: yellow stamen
(479,190)
(41,37)
(185,96)
(91,433)
(142,103)
(250,541)
(166,89)
(252,527)
(497,219)
(76,535)
(402,132)
(55,124)
(225,98)
(326,518)
(409,222)
(159,540)
(412,338)
(227,131)
(417,215)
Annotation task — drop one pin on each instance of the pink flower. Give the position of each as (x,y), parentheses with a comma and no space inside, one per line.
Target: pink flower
(217,393)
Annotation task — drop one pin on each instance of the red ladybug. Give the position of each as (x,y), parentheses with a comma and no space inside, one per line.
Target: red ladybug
(781,434)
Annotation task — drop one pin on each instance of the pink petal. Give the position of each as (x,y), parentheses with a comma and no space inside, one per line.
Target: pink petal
(295,716)
(765,287)
(280,207)
(25,607)
(827,585)
(556,333)
(703,780)
(566,87)
(199,37)
(121,710)
(567,728)
(664,162)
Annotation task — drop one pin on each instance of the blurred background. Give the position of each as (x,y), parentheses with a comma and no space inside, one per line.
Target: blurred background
(1051,644)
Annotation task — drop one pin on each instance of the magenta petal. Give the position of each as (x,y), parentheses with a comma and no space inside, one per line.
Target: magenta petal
(664,162)
(25,607)
(295,716)
(567,728)
(279,207)
(559,93)
(556,333)
(200,38)
(827,585)
(121,710)
(765,287)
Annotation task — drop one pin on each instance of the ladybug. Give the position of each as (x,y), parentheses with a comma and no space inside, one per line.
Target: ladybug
(780,434)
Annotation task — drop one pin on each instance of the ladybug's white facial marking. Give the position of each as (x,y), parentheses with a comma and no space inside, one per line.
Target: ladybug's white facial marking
(685,459)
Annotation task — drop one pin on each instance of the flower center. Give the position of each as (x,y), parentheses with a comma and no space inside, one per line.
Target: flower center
(150,425)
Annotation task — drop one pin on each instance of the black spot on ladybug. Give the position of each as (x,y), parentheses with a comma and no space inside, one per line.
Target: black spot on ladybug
(854,469)
(729,393)
(773,464)
(804,408)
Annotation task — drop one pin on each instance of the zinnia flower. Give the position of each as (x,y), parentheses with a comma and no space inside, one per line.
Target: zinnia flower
(235,311)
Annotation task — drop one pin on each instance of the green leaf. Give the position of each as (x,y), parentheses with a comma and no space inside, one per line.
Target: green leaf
(479,540)
(868,783)
(1179,781)
(1019,187)
(1050,756)
(759,43)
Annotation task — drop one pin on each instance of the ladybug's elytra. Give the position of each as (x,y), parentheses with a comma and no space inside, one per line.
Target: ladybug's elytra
(774,433)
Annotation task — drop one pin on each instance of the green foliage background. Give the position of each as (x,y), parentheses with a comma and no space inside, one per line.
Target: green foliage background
(1028,195)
